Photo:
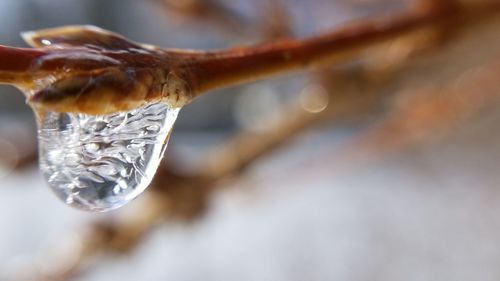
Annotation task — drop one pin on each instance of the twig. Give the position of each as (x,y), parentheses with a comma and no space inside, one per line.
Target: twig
(91,79)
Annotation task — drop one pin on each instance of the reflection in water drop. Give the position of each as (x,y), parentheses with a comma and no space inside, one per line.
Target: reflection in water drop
(100,163)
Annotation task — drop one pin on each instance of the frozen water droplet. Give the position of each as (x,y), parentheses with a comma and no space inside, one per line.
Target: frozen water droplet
(100,163)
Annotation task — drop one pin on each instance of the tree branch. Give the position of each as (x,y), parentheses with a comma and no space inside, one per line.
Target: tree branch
(89,64)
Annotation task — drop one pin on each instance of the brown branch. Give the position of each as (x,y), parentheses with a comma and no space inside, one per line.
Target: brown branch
(240,65)
(99,72)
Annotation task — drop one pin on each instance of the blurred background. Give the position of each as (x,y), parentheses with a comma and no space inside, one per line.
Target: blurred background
(384,167)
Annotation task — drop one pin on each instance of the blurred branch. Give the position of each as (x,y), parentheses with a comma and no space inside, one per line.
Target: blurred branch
(17,147)
(272,23)
(424,114)
(211,12)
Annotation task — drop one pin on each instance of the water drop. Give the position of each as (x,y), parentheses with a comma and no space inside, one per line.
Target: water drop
(100,163)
